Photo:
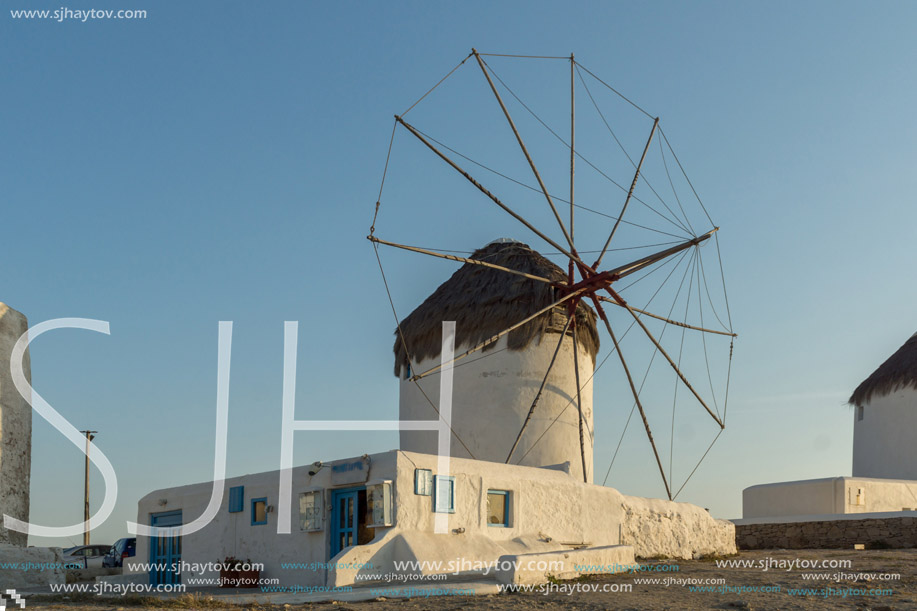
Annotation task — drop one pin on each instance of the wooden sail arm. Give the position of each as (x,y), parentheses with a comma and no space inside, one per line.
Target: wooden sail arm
(486,192)
(636,394)
(667,320)
(493,339)
(525,151)
(635,266)
(630,193)
(579,404)
(433,253)
(662,351)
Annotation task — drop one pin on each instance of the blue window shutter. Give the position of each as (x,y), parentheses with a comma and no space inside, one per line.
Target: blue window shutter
(236,498)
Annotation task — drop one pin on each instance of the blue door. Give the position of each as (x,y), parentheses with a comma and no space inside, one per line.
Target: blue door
(344,515)
(165,548)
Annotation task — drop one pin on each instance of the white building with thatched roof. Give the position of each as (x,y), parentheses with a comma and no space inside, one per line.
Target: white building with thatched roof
(885,421)
(884,455)
(493,389)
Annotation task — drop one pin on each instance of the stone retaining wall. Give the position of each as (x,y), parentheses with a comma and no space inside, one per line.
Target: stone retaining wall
(837,534)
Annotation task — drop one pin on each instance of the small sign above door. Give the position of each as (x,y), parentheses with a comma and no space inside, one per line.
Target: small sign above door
(354,471)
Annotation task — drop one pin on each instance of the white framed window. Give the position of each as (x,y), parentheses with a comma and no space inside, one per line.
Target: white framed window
(379,502)
(444,494)
(423,482)
(311,511)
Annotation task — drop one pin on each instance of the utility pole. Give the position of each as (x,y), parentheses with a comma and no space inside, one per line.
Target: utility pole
(90,435)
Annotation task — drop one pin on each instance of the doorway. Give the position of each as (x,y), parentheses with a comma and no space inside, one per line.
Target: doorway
(165,549)
(350,519)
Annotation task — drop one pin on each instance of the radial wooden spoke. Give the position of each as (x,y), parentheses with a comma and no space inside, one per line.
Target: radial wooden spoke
(496,337)
(653,339)
(572,140)
(636,266)
(433,253)
(668,320)
(525,151)
(633,390)
(630,193)
(579,404)
(484,190)
(544,383)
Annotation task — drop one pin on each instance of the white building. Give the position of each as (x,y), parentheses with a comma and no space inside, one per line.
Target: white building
(884,455)
(366,513)
(885,422)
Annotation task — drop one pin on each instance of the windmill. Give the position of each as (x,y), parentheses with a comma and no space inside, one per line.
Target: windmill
(587,279)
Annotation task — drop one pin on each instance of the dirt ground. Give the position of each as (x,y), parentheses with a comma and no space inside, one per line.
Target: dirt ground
(863,585)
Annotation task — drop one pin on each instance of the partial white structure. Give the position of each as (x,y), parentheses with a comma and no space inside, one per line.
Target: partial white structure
(20,567)
(545,511)
(884,455)
(831,495)
(493,389)
(492,397)
(15,429)
(885,419)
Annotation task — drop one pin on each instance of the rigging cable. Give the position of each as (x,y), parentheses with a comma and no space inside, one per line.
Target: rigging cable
(615,91)
(672,185)
(652,359)
(676,222)
(430,90)
(612,351)
(523,56)
(557,197)
(685,174)
(642,175)
(700,311)
(681,349)
(388,292)
(408,353)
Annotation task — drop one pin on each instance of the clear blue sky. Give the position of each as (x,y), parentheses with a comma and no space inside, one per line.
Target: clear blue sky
(220,161)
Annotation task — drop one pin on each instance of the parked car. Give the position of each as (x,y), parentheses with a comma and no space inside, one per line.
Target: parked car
(123,548)
(85,556)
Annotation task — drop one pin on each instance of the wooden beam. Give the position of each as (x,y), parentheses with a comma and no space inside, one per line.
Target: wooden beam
(433,253)
(630,193)
(525,151)
(668,320)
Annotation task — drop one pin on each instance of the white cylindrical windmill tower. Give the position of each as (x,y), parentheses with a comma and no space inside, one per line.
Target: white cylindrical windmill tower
(15,429)
(494,389)
(885,420)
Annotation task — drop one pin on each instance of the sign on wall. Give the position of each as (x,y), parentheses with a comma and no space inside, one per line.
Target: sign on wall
(353,471)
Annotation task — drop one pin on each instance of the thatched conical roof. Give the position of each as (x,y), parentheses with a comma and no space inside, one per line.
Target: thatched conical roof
(899,371)
(484,301)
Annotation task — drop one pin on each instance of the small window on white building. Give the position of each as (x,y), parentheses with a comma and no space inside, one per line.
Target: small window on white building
(444,494)
(859,412)
(310,511)
(498,508)
(423,482)
(259,512)
(379,502)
